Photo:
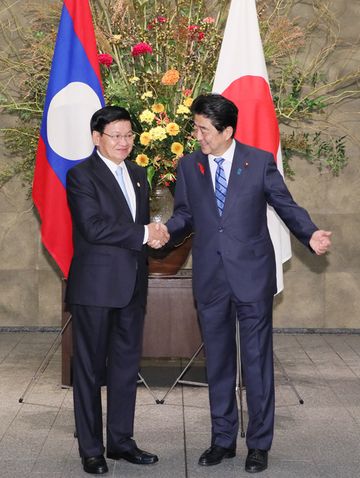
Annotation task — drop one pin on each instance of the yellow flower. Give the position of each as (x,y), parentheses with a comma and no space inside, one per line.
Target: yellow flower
(171,77)
(134,79)
(158,133)
(147,116)
(177,148)
(182,110)
(172,129)
(142,160)
(145,138)
(188,101)
(116,39)
(158,108)
(147,94)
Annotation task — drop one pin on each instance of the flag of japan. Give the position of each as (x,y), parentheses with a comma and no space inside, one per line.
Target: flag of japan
(241,76)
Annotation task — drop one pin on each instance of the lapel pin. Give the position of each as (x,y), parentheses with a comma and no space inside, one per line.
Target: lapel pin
(138,184)
(246,164)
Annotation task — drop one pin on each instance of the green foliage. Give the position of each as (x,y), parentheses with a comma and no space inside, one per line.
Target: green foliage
(21,143)
(304,95)
(157,56)
(302,91)
(327,153)
(22,92)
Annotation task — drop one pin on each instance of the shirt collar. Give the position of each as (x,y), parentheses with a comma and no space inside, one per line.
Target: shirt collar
(110,164)
(228,155)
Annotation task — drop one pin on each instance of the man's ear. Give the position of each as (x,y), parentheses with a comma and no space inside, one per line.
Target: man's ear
(228,131)
(96,137)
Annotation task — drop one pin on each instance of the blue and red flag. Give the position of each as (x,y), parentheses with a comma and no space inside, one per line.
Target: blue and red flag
(74,93)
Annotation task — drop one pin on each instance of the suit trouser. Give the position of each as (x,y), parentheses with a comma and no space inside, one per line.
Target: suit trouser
(217,320)
(107,347)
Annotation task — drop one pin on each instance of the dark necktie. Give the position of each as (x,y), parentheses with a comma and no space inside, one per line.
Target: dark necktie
(220,184)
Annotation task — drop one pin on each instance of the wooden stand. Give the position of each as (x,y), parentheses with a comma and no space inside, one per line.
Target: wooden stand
(171,324)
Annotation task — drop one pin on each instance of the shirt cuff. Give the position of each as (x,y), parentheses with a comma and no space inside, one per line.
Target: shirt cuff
(146,234)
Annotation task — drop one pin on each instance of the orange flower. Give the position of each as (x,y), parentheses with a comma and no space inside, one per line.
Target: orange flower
(142,160)
(145,138)
(158,108)
(177,148)
(171,77)
(172,129)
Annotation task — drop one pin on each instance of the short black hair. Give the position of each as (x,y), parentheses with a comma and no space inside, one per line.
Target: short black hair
(220,111)
(107,115)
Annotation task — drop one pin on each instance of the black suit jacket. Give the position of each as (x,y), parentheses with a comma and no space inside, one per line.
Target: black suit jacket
(109,255)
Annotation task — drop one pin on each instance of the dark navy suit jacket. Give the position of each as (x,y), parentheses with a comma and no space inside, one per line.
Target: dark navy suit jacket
(240,237)
(109,254)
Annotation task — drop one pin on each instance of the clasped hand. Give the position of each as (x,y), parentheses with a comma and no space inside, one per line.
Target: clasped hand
(158,235)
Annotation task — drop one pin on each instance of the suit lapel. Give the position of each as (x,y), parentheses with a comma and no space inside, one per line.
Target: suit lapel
(237,178)
(203,169)
(107,177)
(136,185)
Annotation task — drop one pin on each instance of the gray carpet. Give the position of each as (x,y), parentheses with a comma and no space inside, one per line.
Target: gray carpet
(320,438)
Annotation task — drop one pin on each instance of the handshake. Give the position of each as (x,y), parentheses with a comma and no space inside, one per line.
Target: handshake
(158,235)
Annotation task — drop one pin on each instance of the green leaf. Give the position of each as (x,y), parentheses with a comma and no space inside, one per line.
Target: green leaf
(150,174)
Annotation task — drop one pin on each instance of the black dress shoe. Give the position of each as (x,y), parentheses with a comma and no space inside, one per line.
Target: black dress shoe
(215,455)
(95,465)
(135,455)
(256,460)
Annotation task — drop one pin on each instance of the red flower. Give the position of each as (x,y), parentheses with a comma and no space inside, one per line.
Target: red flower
(141,48)
(195,34)
(105,59)
(201,168)
(187,92)
(208,20)
(160,19)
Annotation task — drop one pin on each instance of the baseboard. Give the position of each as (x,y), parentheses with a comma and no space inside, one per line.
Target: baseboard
(277,330)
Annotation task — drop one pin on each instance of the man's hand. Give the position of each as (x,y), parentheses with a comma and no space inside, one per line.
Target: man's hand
(158,235)
(320,242)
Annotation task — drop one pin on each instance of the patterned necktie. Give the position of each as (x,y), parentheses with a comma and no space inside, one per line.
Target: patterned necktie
(220,184)
(120,179)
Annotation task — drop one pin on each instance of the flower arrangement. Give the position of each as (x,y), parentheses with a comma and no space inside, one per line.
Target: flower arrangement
(156,55)
(155,58)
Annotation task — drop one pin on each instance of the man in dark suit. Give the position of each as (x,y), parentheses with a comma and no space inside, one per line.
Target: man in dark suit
(107,287)
(222,193)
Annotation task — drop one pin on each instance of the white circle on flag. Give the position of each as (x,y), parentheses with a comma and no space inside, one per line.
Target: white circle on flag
(68,121)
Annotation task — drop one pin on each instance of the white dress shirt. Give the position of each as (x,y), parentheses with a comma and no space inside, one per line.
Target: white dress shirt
(228,159)
(129,187)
